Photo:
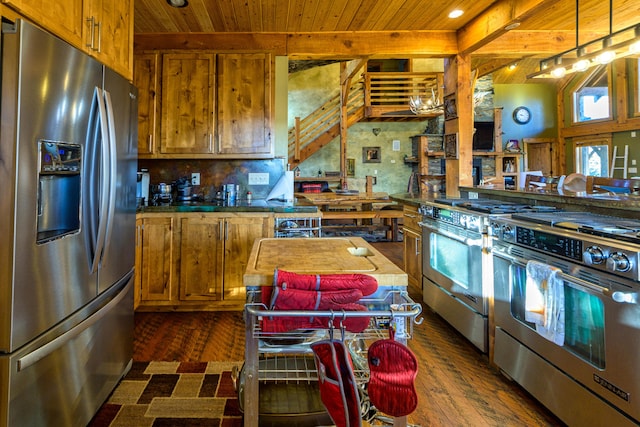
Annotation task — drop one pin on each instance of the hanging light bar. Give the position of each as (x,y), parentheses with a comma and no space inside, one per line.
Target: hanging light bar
(601,51)
(620,44)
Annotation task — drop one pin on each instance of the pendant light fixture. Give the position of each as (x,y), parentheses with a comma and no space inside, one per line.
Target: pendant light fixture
(600,51)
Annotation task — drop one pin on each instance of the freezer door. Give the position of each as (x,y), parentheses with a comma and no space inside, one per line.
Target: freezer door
(119,246)
(46,91)
(62,378)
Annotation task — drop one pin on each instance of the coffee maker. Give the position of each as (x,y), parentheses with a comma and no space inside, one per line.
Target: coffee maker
(142,189)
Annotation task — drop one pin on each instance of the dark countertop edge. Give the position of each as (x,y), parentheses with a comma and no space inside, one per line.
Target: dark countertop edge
(229,209)
(625,206)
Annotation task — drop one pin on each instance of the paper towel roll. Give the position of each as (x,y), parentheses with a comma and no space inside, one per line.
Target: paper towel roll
(283,190)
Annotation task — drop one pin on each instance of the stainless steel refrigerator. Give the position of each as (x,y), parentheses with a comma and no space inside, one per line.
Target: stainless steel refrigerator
(68,161)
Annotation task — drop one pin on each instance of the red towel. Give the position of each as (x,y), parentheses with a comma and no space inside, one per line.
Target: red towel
(393,370)
(326,282)
(338,388)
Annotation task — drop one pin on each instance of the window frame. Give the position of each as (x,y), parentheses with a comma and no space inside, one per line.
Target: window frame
(592,140)
(587,77)
(634,87)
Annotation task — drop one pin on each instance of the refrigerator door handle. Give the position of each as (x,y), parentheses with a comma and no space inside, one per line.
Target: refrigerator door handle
(111,172)
(30,359)
(98,157)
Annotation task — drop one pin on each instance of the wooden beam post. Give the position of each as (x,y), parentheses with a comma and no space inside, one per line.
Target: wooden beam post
(457,81)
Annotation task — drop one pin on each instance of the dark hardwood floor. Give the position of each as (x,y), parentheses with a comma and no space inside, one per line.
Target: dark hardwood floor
(456,384)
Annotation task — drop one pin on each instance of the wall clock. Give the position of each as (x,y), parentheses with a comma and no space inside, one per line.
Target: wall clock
(521,115)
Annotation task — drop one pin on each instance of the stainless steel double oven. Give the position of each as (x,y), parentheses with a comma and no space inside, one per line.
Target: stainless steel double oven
(589,376)
(457,280)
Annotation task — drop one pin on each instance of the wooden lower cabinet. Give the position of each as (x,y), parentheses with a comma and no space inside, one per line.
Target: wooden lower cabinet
(201,258)
(207,252)
(240,233)
(412,236)
(154,260)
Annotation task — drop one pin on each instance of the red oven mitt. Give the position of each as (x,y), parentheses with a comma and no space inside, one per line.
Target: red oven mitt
(393,369)
(285,298)
(275,324)
(326,282)
(338,388)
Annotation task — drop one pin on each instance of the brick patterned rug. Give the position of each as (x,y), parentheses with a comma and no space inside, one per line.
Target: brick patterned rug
(176,394)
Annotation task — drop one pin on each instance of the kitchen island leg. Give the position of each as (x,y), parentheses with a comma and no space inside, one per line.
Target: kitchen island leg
(251,384)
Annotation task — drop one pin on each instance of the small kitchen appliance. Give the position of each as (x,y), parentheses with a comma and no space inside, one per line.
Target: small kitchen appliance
(162,194)
(184,190)
(142,189)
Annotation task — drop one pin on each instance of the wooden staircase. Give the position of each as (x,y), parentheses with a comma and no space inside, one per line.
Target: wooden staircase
(380,96)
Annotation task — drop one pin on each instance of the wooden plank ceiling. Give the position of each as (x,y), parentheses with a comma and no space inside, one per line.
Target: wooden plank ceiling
(339,29)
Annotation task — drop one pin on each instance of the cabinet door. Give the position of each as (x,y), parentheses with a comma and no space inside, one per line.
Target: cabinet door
(156,274)
(201,259)
(244,105)
(109,33)
(240,233)
(145,78)
(187,103)
(413,257)
(63,18)
(137,282)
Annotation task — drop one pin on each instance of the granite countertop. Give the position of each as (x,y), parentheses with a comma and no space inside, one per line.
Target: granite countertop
(258,205)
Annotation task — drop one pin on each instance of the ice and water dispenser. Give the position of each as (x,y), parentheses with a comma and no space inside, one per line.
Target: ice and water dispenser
(59,186)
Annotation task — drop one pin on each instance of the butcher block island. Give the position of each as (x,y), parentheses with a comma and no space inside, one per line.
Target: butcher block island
(282,333)
(329,255)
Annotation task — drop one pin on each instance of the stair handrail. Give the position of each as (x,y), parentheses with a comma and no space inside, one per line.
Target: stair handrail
(383,95)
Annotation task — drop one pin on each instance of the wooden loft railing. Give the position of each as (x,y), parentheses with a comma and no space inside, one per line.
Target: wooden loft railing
(386,95)
(375,96)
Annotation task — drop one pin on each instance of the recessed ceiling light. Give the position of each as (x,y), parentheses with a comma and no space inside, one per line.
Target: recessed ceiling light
(457,13)
(178,3)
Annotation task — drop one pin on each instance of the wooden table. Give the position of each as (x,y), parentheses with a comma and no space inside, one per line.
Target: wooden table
(334,207)
(332,199)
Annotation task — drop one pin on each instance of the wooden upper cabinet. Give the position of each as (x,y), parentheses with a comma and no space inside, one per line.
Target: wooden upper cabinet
(108,33)
(244,104)
(63,18)
(188,105)
(102,28)
(146,79)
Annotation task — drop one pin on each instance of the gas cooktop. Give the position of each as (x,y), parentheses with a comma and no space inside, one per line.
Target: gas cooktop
(490,206)
(585,222)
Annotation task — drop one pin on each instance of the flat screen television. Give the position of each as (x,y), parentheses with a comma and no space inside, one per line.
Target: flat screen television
(483,136)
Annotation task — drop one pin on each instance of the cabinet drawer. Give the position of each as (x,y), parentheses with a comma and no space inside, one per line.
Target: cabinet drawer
(411,218)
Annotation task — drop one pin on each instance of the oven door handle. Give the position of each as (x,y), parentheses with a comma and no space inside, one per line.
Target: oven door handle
(617,296)
(466,240)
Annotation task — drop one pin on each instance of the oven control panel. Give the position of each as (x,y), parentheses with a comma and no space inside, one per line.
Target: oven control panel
(456,218)
(548,242)
(600,253)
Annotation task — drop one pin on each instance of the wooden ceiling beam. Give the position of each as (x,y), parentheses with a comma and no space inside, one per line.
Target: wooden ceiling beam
(378,44)
(489,66)
(491,23)
(541,43)
(275,43)
(329,45)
